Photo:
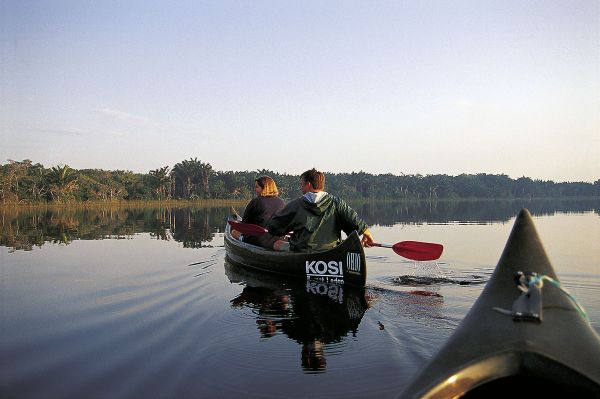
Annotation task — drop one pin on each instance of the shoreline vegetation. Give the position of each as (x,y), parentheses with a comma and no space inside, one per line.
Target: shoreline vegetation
(195,183)
(239,204)
(131,204)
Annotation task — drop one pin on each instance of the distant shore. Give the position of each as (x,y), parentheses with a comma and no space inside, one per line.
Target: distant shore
(241,203)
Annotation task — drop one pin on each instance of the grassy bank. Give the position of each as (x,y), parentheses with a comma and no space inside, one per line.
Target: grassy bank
(207,203)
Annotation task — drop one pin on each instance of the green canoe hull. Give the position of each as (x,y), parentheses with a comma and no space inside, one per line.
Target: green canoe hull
(344,264)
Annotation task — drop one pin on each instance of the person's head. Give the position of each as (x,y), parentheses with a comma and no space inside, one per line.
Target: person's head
(265,187)
(312,180)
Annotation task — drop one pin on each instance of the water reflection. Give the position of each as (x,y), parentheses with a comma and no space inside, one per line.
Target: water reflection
(314,314)
(388,214)
(194,227)
(24,229)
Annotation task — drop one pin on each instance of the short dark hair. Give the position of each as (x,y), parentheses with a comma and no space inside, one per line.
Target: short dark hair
(315,178)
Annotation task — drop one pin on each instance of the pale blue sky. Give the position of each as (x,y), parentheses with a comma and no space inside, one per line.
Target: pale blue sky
(381,86)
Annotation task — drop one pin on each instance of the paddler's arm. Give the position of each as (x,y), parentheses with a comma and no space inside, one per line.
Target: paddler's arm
(350,221)
(281,222)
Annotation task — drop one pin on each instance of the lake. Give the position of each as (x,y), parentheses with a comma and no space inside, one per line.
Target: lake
(121,303)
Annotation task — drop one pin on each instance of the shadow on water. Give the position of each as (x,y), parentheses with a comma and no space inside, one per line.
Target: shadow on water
(432,275)
(415,281)
(313,314)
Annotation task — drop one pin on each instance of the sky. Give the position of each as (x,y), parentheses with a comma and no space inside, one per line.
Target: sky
(403,87)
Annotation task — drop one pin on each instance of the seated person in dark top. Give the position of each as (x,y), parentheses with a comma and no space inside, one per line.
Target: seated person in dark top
(259,211)
(316,219)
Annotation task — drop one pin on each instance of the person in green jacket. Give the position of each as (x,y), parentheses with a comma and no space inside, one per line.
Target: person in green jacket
(316,219)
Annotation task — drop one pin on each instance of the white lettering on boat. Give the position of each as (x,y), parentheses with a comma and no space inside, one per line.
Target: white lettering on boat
(320,268)
(353,262)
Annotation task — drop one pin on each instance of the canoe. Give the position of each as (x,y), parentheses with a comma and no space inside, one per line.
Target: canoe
(344,264)
(514,343)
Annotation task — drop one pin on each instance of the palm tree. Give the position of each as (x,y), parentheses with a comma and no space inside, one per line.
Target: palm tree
(189,173)
(63,182)
(205,172)
(184,173)
(161,182)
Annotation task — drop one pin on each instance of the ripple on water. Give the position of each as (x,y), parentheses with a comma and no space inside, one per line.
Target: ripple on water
(414,281)
(117,341)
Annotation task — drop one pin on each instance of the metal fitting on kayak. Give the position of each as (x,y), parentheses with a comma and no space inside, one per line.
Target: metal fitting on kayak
(528,306)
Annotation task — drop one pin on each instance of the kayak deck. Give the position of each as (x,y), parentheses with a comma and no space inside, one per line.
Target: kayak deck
(512,342)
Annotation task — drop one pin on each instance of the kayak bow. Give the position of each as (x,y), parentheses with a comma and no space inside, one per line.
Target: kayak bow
(521,338)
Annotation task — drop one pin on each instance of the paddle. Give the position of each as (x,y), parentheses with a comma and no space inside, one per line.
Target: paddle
(248,229)
(414,250)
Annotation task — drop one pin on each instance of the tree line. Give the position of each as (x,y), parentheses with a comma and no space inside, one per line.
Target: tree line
(28,182)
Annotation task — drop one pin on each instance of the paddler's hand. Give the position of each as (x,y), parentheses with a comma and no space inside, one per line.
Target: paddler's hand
(367,239)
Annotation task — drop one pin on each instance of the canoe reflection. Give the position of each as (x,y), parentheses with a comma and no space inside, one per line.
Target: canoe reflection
(313,314)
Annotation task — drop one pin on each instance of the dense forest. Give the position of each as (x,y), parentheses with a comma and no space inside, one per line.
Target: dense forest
(28,182)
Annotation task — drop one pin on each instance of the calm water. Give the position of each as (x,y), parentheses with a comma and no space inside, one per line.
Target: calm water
(141,303)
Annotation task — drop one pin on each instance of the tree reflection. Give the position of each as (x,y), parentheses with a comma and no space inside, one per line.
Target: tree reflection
(313,314)
(476,211)
(24,228)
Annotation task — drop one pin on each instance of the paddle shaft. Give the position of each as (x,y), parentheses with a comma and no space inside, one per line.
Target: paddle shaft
(376,244)
(415,250)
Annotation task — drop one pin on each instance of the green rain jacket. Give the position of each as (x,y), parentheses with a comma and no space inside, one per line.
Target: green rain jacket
(315,226)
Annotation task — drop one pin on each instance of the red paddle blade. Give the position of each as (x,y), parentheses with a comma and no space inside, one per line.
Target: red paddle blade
(417,250)
(248,229)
